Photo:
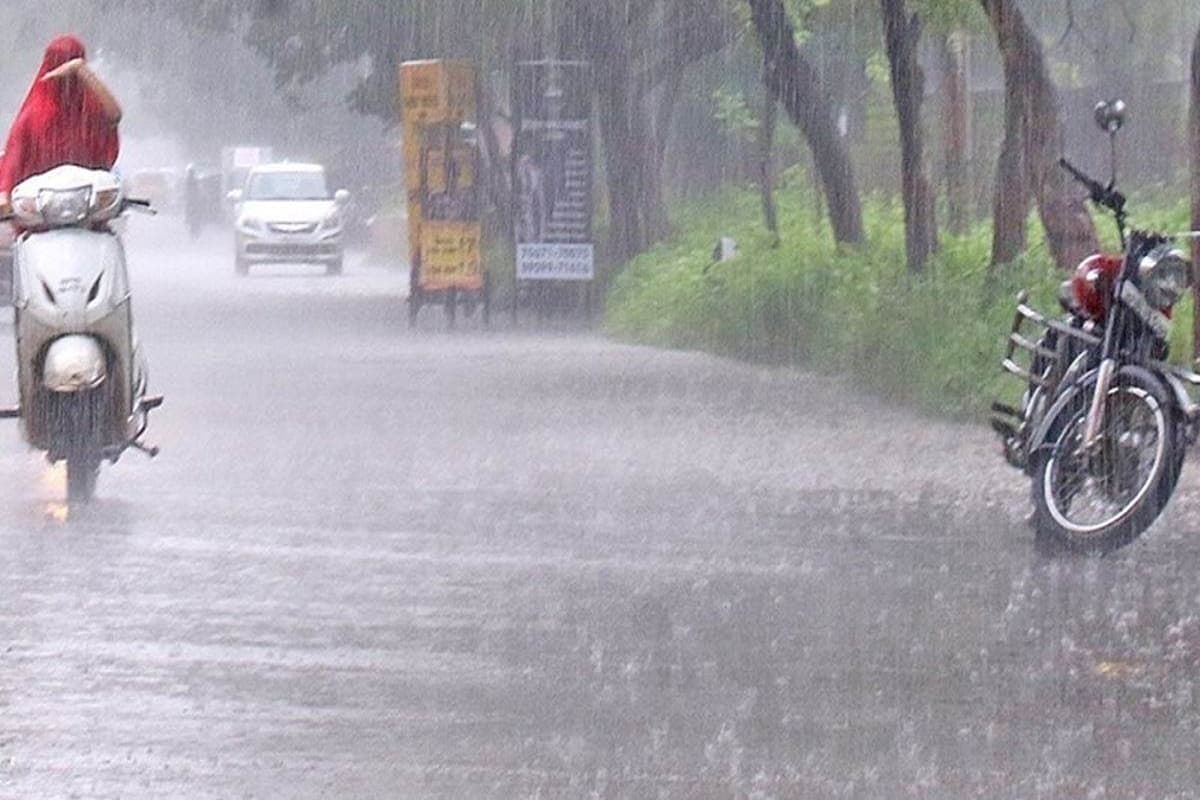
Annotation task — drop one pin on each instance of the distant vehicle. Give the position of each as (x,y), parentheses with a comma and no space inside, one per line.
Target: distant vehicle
(1106,418)
(236,163)
(286,214)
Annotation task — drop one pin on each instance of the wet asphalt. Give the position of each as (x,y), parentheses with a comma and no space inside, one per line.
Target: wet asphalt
(381,563)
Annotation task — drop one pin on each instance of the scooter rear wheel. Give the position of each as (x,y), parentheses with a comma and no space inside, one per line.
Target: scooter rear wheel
(82,472)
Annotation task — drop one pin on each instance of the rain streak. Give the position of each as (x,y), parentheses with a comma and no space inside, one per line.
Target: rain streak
(622,399)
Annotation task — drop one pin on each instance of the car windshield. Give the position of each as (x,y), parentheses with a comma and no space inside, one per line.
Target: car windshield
(287,186)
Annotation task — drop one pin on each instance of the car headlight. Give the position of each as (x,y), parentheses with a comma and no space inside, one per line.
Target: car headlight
(1165,273)
(250,225)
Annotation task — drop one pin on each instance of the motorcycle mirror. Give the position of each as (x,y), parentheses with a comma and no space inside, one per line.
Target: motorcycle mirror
(1110,115)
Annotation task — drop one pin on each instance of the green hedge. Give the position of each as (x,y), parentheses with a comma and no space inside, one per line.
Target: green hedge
(933,341)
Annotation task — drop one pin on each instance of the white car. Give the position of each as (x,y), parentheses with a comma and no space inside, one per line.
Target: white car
(286,214)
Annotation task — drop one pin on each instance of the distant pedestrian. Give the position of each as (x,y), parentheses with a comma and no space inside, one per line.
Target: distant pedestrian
(193,213)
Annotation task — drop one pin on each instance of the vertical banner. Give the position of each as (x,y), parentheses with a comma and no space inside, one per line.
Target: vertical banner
(553,171)
(441,165)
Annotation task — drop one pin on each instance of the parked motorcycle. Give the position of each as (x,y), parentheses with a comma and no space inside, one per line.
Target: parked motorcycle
(1105,420)
(81,375)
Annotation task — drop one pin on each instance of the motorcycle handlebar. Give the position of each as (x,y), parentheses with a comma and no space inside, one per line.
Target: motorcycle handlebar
(1092,184)
(1106,196)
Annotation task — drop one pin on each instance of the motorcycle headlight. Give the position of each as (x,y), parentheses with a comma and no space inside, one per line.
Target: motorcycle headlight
(1166,273)
(65,206)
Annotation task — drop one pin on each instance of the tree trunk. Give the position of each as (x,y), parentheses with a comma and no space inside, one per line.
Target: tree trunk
(957,131)
(766,171)
(497,169)
(792,80)
(639,53)
(664,102)
(1010,204)
(1032,144)
(603,32)
(902,35)
(636,211)
(655,112)
(1194,148)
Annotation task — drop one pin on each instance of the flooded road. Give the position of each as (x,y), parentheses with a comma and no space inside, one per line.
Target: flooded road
(373,562)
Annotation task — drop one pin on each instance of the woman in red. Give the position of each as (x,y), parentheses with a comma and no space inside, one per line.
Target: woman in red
(69,117)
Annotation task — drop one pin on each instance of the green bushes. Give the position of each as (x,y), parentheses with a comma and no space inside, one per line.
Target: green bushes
(932,341)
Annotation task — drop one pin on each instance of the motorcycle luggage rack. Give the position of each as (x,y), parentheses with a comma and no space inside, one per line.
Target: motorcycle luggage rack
(1018,341)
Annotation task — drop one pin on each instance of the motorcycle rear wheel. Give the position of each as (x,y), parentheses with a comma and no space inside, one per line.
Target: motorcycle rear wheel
(1099,501)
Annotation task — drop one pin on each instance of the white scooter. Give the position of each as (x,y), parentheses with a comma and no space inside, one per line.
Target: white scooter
(80,372)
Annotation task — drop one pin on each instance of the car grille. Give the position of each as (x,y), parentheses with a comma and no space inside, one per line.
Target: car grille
(292,227)
(283,250)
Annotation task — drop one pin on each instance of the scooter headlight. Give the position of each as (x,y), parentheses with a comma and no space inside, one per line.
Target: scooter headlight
(65,206)
(1165,273)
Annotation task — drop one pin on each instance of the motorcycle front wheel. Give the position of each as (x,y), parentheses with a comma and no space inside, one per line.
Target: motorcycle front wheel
(1097,500)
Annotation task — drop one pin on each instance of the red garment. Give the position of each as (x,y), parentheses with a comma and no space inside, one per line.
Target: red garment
(60,122)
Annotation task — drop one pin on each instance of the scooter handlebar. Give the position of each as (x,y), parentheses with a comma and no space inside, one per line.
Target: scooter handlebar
(138,204)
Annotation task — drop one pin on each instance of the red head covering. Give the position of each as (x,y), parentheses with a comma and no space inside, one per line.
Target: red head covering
(59,123)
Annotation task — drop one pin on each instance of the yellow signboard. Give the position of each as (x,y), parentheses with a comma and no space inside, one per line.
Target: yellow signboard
(441,166)
(437,91)
(450,256)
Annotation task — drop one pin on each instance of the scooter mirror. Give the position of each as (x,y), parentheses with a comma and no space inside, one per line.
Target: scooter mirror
(1110,115)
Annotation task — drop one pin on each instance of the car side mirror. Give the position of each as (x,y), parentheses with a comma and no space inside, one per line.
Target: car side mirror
(234,196)
(341,197)
(1110,115)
